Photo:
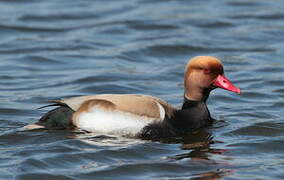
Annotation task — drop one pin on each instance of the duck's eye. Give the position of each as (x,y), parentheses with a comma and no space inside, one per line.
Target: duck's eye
(207,71)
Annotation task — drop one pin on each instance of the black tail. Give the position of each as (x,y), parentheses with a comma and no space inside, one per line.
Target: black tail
(58,118)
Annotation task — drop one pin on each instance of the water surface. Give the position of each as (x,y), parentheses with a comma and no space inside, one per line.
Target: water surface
(54,49)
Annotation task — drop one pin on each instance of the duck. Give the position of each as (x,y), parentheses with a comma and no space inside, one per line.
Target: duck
(143,116)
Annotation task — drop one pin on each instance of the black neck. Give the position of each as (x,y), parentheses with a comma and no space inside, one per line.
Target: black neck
(187,103)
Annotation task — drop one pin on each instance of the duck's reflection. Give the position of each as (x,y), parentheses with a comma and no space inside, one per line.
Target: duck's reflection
(198,143)
(212,175)
(199,151)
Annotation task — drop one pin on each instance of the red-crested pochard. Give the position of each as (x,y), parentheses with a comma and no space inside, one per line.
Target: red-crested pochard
(143,116)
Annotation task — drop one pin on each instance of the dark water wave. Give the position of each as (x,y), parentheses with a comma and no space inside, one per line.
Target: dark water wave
(54,49)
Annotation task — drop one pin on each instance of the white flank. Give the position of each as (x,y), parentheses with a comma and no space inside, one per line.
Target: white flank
(161,111)
(111,122)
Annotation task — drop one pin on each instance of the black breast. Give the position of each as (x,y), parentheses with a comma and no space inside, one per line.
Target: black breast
(193,115)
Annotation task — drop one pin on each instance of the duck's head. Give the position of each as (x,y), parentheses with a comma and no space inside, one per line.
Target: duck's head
(203,74)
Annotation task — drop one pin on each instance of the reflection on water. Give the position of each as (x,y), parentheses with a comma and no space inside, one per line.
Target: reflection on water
(54,49)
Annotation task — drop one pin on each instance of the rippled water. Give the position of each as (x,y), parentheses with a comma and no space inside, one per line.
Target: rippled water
(53,49)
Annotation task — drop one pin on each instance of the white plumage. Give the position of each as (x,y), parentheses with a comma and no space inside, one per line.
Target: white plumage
(112,122)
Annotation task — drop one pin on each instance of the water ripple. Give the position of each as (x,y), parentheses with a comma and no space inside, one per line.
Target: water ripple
(54,49)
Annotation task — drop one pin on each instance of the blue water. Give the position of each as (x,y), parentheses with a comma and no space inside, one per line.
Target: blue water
(54,49)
